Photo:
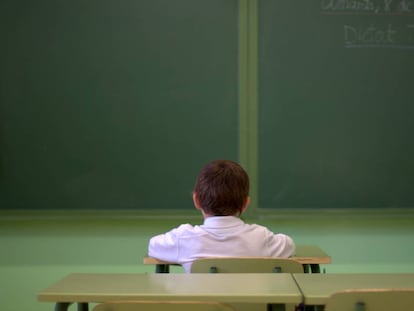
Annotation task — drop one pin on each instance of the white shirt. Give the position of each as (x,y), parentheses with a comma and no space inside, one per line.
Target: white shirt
(219,236)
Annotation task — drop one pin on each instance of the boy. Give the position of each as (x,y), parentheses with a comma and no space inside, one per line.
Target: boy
(221,193)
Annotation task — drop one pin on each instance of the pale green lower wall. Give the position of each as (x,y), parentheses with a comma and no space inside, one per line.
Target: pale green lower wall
(37,252)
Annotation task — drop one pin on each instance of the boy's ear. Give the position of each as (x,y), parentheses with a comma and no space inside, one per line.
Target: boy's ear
(246,204)
(195,201)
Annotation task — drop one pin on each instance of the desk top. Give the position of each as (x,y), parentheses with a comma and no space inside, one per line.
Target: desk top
(235,287)
(311,254)
(305,254)
(317,288)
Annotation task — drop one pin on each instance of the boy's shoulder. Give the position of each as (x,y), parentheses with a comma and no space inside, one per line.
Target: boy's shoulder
(185,227)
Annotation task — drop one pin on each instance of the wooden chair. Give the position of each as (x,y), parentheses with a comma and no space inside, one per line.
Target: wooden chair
(246,265)
(371,299)
(162,306)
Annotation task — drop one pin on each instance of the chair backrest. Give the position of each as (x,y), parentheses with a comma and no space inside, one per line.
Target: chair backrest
(371,299)
(162,306)
(246,265)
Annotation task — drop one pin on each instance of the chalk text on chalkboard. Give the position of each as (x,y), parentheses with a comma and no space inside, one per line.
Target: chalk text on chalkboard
(367,6)
(379,37)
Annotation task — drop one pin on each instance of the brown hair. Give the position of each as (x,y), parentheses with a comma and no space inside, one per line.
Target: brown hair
(222,188)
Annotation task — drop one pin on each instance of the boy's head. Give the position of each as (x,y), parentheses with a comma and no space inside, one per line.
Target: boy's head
(222,189)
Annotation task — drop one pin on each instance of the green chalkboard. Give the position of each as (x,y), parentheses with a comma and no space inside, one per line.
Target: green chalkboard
(109,104)
(336,104)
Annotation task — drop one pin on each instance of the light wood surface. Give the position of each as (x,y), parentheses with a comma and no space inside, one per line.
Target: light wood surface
(305,254)
(317,288)
(255,288)
(311,254)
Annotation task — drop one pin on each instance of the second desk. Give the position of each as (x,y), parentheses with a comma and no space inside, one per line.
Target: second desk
(83,288)
(310,256)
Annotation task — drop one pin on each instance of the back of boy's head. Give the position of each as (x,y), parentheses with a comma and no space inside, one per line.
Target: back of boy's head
(222,188)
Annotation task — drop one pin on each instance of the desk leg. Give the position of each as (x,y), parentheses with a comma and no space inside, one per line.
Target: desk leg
(83,306)
(315,268)
(311,268)
(162,268)
(62,306)
(276,307)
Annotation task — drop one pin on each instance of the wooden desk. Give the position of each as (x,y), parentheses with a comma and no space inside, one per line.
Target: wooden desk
(317,288)
(310,256)
(84,288)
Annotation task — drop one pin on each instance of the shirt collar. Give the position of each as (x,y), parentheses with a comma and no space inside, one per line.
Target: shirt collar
(222,221)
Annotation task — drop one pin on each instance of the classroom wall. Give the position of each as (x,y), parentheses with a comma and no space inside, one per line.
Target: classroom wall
(38,252)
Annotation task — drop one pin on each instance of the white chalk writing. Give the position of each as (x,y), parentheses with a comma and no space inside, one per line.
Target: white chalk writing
(368,6)
(380,37)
